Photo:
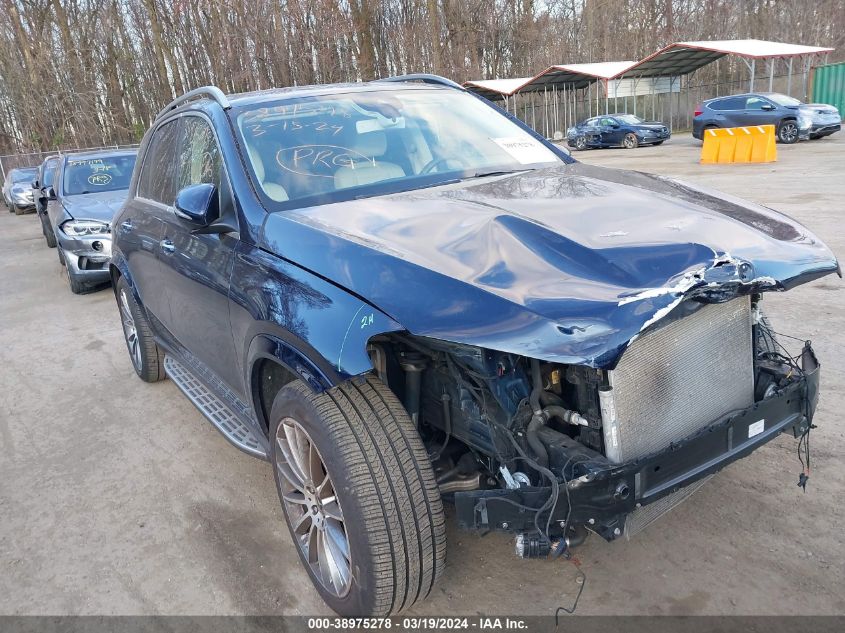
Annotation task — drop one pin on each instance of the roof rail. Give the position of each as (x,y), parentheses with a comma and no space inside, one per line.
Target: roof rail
(426,78)
(206,91)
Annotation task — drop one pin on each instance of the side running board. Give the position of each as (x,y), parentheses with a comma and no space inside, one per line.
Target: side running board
(216,410)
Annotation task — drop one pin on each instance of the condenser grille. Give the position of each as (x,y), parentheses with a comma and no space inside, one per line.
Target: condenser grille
(676,380)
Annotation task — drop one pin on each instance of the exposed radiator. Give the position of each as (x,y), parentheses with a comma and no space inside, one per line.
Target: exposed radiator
(677,379)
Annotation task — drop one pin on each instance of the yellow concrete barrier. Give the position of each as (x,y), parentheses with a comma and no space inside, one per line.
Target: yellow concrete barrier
(752,144)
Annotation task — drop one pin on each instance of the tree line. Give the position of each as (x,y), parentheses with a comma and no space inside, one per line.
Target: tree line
(78,73)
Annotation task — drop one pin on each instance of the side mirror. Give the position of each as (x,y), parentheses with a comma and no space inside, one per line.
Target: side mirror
(198,204)
(615,126)
(767,107)
(51,193)
(36,184)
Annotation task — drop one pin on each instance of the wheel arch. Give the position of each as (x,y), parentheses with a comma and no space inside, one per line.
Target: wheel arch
(275,359)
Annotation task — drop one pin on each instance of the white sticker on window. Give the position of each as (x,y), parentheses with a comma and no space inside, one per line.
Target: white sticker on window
(755,429)
(525,149)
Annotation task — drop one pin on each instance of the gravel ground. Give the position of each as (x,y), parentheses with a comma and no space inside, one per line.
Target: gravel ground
(117,497)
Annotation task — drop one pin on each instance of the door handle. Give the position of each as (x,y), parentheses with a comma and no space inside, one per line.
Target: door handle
(126,226)
(167,246)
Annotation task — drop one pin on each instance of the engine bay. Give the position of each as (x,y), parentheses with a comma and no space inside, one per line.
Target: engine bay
(529,431)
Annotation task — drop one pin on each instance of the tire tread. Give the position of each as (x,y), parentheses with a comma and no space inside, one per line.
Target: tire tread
(390,475)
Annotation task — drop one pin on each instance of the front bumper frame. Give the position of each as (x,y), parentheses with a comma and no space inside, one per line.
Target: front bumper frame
(604,497)
(83,260)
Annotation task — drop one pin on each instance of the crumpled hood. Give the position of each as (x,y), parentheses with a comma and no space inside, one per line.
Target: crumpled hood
(822,108)
(100,206)
(566,264)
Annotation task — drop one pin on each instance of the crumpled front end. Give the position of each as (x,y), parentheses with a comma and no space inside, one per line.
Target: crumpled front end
(686,399)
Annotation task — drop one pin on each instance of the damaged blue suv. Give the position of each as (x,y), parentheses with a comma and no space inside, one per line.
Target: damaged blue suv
(397,294)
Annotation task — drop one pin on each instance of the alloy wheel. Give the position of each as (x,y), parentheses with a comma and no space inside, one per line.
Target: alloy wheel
(630,141)
(580,143)
(130,331)
(788,132)
(312,507)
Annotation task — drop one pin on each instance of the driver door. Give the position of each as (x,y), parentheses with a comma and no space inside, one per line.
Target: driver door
(196,268)
(611,131)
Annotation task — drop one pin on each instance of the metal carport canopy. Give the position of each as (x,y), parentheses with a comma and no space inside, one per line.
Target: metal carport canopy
(495,88)
(682,58)
(575,76)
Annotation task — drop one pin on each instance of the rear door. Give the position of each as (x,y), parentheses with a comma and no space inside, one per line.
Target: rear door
(728,112)
(196,268)
(140,226)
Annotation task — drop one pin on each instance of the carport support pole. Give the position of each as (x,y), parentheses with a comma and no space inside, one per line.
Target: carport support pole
(789,79)
(771,73)
(653,97)
(671,87)
(806,76)
(606,96)
(753,68)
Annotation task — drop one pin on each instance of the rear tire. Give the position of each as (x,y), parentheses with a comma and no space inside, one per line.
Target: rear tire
(146,356)
(380,484)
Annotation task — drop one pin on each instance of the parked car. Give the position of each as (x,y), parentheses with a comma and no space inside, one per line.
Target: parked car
(792,119)
(40,187)
(17,191)
(88,190)
(618,130)
(396,294)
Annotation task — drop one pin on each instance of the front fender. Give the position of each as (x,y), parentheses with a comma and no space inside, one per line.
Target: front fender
(316,329)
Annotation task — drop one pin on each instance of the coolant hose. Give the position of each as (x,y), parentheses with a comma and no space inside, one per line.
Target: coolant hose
(532,432)
(568,416)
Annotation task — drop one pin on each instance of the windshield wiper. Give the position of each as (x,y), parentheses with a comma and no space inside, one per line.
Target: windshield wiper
(498,172)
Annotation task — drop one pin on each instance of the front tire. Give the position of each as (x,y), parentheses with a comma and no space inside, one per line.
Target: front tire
(49,236)
(580,143)
(787,132)
(146,356)
(359,495)
(630,141)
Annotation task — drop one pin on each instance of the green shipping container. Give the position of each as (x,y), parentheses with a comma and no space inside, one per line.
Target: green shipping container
(829,85)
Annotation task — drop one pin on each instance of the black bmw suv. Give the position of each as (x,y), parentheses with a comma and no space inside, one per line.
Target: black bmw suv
(396,294)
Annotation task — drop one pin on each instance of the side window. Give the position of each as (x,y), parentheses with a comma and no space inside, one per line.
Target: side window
(158,178)
(199,156)
(49,172)
(731,103)
(200,160)
(755,103)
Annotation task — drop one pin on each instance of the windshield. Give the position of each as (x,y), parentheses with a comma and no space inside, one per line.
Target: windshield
(783,100)
(342,146)
(22,175)
(90,175)
(629,119)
